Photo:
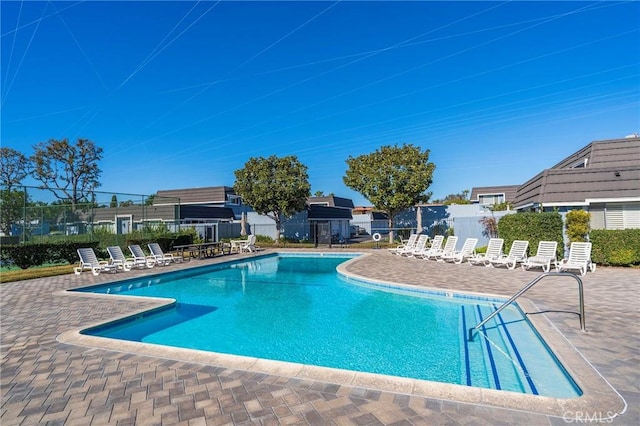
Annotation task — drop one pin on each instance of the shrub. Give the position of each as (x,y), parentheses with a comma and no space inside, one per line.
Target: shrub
(142,242)
(490,226)
(439,229)
(182,240)
(166,242)
(67,251)
(578,225)
(27,255)
(9,240)
(498,207)
(532,227)
(619,247)
(264,239)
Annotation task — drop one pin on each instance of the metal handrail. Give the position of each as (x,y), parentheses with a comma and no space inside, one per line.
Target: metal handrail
(527,287)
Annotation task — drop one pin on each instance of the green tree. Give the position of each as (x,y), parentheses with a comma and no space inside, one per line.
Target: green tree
(277,187)
(461,198)
(51,213)
(393,178)
(14,167)
(69,171)
(498,207)
(114,201)
(12,203)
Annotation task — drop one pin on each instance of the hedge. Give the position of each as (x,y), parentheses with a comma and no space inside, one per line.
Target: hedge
(166,243)
(532,227)
(36,254)
(620,247)
(26,255)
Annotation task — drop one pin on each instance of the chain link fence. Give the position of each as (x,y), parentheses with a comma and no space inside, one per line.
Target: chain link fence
(32,214)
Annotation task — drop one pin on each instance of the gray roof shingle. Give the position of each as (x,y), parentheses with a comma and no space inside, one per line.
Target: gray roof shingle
(601,170)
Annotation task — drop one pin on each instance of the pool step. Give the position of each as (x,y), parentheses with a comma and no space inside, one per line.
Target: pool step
(493,360)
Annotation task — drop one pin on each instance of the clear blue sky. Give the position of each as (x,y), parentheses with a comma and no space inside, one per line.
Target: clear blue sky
(180,94)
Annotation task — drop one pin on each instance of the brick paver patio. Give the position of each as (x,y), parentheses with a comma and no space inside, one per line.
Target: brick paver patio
(46,381)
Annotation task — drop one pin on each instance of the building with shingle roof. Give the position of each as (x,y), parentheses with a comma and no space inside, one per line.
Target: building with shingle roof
(602,178)
(206,196)
(490,195)
(331,201)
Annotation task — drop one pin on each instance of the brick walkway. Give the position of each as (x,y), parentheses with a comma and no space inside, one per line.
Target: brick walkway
(44,381)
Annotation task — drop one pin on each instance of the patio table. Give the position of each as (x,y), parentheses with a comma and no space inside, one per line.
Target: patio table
(202,250)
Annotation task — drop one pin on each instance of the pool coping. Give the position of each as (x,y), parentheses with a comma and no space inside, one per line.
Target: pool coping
(598,395)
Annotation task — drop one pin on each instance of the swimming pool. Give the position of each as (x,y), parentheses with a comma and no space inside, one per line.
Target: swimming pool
(297,309)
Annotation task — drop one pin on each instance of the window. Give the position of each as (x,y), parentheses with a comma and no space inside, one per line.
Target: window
(580,164)
(234,200)
(615,216)
(490,199)
(631,215)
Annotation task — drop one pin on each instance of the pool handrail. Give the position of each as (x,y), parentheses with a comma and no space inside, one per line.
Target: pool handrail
(527,287)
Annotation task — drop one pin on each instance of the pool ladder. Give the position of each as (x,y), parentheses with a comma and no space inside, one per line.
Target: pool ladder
(524,290)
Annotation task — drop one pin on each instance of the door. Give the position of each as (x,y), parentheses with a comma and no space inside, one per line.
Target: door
(123,225)
(210,234)
(324,232)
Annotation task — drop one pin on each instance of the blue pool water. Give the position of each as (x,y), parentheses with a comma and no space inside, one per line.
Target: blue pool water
(298,309)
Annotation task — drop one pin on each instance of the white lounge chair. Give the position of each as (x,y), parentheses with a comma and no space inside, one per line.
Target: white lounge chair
(544,257)
(139,258)
(118,258)
(579,258)
(89,260)
(449,247)
(435,247)
(160,256)
(419,246)
(409,247)
(494,251)
(409,244)
(467,250)
(517,254)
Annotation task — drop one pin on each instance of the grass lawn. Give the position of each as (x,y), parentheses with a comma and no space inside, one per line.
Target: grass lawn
(16,274)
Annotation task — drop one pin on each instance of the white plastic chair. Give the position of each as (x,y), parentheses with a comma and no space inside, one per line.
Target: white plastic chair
(406,246)
(449,248)
(139,258)
(494,251)
(89,260)
(433,249)
(544,258)
(517,254)
(418,247)
(118,258)
(160,256)
(467,250)
(579,258)
(250,245)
